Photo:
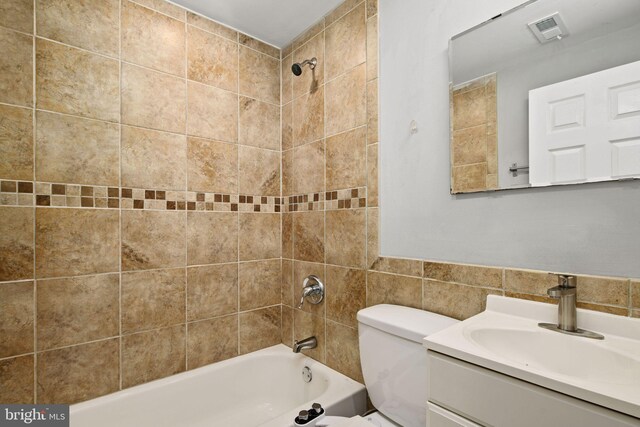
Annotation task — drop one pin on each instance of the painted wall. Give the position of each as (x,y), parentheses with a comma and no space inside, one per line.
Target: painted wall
(591,229)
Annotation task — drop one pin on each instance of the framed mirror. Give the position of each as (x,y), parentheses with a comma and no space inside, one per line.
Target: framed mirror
(546,94)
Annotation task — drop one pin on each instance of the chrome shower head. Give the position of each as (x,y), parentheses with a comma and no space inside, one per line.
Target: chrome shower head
(297,67)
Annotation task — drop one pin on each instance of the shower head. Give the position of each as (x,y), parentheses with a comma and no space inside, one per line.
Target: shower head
(297,67)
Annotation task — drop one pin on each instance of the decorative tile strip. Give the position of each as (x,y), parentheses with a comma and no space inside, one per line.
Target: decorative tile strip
(76,196)
(16,193)
(350,198)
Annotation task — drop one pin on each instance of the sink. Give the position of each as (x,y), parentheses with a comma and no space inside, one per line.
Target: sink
(608,361)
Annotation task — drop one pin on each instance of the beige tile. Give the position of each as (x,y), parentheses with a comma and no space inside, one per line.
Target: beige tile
(212,59)
(151,355)
(469,178)
(635,294)
(153,299)
(287,283)
(16,68)
(17,15)
(153,159)
(259,171)
(164,7)
(287,236)
(308,231)
(287,326)
(152,240)
(406,267)
(372,112)
(603,290)
(528,281)
(372,175)
(16,143)
(77,310)
(89,24)
(346,243)
(346,42)
(76,82)
(258,45)
(74,150)
(341,10)
(308,117)
(372,8)
(259,124)
(16,319)
(470,145)
(343,350)
(347,160)
(212,166)
(212,290)
(211,341)
(474,275)
(529,297)
(306,325)
(260,329)
(288,188)
(16,243)
(212,237)
(259,76)
(211,26)
(259,236)
(310,79)
(373,246)
(372,48)
(287,79)
(79,373)
(152,39)
(453,300)
(287,126)
(213,113)
(302,270)
(346,294)
(73,242)
(618,311)
(307,35)
(308,167)
(16,376)
(383,288)
(492,154)
(635,313)
(469,108)
(153,100)
(260,284)
(346,101)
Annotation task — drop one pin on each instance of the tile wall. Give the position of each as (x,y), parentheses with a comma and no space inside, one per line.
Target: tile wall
(139,196)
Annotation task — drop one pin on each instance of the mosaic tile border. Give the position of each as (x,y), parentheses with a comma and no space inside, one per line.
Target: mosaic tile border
(349,198)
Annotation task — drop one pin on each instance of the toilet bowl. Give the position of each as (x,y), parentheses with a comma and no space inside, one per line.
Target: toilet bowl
(394,365)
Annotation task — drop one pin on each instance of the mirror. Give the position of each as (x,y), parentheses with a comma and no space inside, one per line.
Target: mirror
(546,94)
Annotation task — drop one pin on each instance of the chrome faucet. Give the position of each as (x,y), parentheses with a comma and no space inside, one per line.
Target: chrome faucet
(310,342)
(566,292)
(313,288)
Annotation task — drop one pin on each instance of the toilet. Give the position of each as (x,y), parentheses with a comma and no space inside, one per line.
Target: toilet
(394,365)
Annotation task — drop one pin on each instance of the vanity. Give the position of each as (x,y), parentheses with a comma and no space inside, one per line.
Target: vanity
(500,368)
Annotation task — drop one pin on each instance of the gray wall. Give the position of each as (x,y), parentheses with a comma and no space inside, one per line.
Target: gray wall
(589,229)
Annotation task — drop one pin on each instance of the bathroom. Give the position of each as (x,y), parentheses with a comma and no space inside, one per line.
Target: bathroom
(172,172)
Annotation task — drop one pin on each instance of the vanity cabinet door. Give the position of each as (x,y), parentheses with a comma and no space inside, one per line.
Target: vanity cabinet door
(440,417)
(492,399)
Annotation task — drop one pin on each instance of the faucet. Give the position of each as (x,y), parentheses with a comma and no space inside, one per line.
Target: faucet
(566,292)
(310,342)
(313,288)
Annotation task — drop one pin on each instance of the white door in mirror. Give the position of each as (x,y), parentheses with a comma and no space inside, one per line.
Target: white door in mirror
(586,129)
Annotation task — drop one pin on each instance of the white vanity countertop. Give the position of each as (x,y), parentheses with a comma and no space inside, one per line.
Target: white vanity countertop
(506,338)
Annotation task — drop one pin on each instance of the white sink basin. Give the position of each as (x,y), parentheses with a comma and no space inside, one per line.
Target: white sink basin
(506,338)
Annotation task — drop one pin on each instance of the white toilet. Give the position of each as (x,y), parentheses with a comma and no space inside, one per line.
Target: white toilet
(394,365)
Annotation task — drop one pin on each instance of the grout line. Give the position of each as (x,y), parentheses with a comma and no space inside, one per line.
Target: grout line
(186,185)
(34,211)
(238,189)
(120,314)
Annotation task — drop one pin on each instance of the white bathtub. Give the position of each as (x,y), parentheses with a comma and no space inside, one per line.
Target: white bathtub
(264,388)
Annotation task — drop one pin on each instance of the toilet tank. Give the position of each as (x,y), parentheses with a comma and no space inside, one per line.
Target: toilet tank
(394,362)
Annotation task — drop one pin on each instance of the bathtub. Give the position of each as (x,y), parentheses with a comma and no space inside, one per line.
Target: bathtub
(265,388)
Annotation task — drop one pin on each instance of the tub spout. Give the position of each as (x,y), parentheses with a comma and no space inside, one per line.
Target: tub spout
(310,342)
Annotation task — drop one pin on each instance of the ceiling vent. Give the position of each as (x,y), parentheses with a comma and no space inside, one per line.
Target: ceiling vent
(549,28)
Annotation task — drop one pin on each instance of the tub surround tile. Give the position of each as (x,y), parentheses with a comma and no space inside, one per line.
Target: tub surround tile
(259,236)
(17,15)
(76,82)
(212,291)
(152,355)
(469,178)
(259,76)
(16,243)
(347,160)
(287,326)
(79,373)
(341,10)
(405,267)
(16,319)
(308,232)
(153,299)
(259,124)
(453,300)
(346,42)
(261,171)
(287,236)
(288,294)
(16,143)
(212,166)
(212,113)
(343,350)
(258,45)
(75,150)
(16,377)
(77,310)
(470,108)
(259,284)
(165,7)
(260,329)
(372,175)
(288,173)
(310,79)
(211,26)
(373,243)
(474,275)
(211,341)
(346,98)
(306,325)
(346,237)
(372,112)
(212,59)
(152,240)
(346,294)
(16,68)
(303,38)
(287,79)
(383,288)
(372,47)
(212,237)
(308,167)
(308,117)
(89,24)
(287,126)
